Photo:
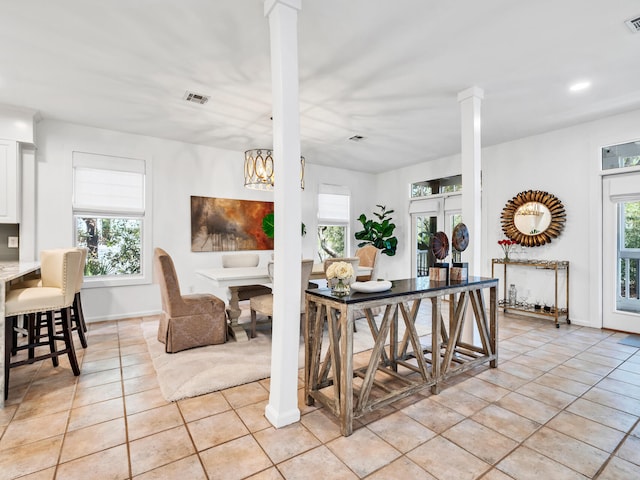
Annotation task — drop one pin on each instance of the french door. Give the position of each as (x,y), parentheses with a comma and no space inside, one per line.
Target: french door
(621,252)
(429,216)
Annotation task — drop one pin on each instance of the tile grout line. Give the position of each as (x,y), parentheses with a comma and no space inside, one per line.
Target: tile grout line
(615,450)
(124,404)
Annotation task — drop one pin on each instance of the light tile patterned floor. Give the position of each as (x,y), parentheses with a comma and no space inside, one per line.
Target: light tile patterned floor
(564,403)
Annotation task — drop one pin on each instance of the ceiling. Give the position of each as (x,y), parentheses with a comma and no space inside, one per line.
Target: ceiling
(389,71)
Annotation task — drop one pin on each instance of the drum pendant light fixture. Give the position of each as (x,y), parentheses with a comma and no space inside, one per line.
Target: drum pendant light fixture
(259,171)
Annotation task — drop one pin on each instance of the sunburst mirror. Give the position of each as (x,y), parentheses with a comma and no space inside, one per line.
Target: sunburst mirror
(533,218)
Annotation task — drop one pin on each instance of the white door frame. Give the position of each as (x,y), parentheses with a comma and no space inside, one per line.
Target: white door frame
(617,187)
(439,206)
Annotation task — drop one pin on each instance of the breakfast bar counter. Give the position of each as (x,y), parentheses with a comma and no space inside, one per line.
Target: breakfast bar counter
(10,272)
(396,367)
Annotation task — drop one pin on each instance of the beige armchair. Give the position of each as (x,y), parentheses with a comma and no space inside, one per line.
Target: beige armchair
(368,256)
(187,321)
(264,303)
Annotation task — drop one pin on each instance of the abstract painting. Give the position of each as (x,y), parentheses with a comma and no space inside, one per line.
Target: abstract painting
(223,224)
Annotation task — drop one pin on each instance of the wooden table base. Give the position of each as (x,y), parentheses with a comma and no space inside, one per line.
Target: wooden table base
(396,367)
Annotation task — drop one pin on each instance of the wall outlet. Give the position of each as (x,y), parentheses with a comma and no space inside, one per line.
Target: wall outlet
(12,242)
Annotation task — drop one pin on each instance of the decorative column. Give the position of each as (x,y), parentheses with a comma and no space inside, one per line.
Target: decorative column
(282,408)
(470,101)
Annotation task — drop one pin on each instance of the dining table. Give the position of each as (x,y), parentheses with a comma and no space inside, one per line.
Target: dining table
(232,278)
(10,272)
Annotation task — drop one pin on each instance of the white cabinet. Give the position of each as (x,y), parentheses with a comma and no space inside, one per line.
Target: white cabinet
(9,182)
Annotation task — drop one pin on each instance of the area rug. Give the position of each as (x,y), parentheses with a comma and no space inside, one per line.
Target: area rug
(208,369)
(631,340)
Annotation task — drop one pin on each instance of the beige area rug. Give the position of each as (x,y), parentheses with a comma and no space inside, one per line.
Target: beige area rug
(208,369)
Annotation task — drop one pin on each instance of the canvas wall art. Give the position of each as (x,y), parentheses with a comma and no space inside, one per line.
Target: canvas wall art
(223,224)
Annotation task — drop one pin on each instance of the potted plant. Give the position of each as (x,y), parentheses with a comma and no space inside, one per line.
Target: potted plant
(268,226)
(378,233)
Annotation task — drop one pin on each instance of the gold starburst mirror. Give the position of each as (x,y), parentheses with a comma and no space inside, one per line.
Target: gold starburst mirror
(533,218)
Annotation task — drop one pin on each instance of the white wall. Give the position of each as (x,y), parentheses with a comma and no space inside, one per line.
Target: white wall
(565,163)
(180,170)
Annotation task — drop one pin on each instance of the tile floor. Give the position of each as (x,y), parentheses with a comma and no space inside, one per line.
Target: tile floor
(563,404)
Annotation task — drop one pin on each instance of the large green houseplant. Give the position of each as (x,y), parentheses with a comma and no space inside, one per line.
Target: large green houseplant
(378,233)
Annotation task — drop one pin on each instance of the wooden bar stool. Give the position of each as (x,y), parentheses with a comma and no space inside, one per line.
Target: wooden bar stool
(59,269)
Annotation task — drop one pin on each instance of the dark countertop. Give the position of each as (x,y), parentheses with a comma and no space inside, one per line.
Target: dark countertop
(407,286)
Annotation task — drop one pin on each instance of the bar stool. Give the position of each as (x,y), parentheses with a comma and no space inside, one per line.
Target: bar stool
(76,308)
(59,271)
(77,315)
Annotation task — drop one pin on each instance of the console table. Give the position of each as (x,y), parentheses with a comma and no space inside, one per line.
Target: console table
(396,367)
(554,311)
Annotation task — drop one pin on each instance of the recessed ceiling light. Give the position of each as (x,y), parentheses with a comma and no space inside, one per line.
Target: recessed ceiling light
(579,86)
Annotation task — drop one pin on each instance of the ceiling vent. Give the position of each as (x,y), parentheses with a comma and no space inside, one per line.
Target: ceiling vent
(196,97)
(356,138)
(634,24)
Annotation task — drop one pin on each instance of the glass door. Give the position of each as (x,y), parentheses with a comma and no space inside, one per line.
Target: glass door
(427,218)
(627,299)
(424,226)
(621,254)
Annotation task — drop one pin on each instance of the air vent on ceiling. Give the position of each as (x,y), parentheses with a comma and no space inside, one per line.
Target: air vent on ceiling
(356,138)
(195,97)
(634,24)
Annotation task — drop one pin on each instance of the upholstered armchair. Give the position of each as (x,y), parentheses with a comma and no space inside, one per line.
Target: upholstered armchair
(187,321)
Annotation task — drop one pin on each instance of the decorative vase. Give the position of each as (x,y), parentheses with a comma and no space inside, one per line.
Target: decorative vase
(340,289)
(506,256)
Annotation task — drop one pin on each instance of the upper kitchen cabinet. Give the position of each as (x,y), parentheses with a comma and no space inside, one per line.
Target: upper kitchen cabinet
(17,132)
(9,182)
(17,123)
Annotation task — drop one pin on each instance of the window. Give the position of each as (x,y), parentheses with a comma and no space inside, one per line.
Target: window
(621,156)
(333,221)
(437,186)
(110,218)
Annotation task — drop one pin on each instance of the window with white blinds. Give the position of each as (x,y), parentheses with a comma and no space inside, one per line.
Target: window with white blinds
(110,217)
(333,207)
(100,184)
(333,221)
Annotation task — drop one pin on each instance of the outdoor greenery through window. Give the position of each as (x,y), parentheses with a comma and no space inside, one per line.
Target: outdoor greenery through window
(331,241)
(629,251)
(109,215)
(437,186)
(333,221)
(114,245)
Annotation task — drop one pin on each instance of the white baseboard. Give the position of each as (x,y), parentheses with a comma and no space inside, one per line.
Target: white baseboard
(121,316)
